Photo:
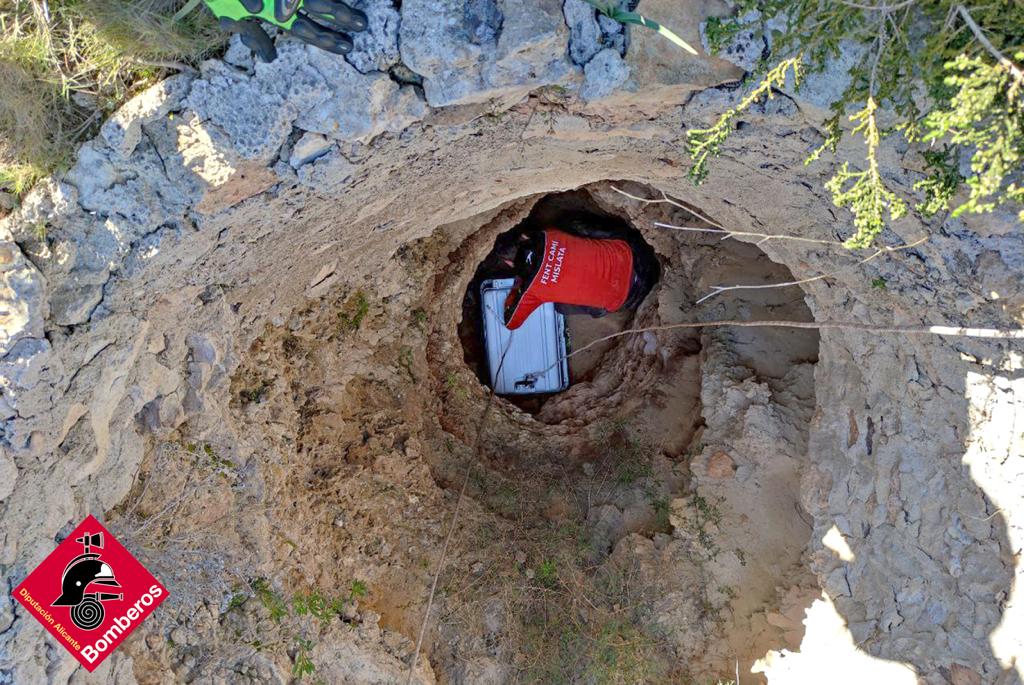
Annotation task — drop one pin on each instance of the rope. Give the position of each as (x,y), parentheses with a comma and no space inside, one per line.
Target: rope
(955,331)
(455,517)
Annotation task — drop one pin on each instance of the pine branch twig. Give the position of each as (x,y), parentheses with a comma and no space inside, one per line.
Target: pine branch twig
(1018,73)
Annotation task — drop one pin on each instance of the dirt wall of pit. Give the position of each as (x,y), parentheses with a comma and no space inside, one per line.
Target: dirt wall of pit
(190,232)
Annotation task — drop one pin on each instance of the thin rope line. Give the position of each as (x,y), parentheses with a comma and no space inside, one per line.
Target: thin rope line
(955,331)
(455,517)
(719,289)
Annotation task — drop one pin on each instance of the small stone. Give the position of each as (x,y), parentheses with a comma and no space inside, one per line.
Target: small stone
(309,147)
(477,568)
(721,465)
(237,54)
(529,573)
(650,342)
(961,675)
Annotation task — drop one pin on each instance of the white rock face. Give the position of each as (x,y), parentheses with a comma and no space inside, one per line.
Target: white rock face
(184,231)
(470,52)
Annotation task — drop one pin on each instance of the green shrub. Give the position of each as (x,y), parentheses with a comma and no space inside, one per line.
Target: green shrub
(946,77)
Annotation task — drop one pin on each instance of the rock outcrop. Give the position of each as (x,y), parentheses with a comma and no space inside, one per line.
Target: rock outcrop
(215,208)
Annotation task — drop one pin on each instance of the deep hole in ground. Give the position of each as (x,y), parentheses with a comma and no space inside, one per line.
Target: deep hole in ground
(575,212)
(641,525)
(587,493)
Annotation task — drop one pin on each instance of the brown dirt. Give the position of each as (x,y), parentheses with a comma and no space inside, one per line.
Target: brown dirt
(555,501)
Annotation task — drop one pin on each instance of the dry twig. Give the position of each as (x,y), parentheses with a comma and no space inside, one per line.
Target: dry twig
(718,289)
(761,239)
(665,199)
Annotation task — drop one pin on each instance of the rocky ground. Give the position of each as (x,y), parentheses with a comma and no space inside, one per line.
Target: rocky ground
(231,333)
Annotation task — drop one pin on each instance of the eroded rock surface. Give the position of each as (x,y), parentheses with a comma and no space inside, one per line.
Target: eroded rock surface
(197,278)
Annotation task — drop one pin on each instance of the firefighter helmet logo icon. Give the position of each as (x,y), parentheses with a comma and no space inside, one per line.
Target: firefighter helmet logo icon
(78,584)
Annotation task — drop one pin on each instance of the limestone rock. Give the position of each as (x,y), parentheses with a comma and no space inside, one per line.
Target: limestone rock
(73,301)
(584,30)
(362,106)
(604,73)
(8,475)
(359,658)
(660,69)
(591,31)
(329,173)
(123,130)
(256,112)
(305,87)
(721,465)
(21,367)
(826,86)
(309,147)
(376,48)
(22,297)
(613,34)
(238,54)
(472,52)
(746,48)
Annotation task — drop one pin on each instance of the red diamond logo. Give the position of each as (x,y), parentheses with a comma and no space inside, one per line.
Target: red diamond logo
(90,593)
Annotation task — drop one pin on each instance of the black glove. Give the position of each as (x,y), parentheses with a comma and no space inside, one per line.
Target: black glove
(322,23)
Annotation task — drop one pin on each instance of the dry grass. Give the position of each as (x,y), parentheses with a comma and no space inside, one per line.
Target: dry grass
(567,619)
(67,64)
(571,614)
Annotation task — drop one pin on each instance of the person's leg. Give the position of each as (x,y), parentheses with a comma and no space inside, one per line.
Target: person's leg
(646,271)
(568,309)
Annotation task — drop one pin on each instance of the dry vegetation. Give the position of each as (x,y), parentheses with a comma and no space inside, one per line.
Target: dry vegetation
(67,64)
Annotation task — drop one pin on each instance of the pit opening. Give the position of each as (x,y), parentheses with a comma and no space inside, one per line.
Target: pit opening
(674,458)
(575,212)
